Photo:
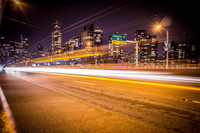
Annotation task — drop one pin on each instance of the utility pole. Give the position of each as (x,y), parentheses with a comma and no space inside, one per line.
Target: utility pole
(167,32)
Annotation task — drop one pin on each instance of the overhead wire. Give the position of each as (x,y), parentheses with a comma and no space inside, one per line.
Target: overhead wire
(136,22)
(97,17)
(100,16)
(93,15)
(45,39)
(22,22)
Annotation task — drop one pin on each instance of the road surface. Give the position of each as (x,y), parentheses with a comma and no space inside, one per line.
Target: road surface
(52,102)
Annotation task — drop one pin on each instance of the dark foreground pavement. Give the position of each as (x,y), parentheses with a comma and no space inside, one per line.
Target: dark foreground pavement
(56,103)
(5,126)
(38,109)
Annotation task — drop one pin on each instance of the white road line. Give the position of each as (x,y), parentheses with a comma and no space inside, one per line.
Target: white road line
(47,76)
(196,101)
(84,83)
(8,111)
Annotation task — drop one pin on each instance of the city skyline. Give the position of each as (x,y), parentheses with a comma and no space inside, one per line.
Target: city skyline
(116,20)
(99,66)
(90,42)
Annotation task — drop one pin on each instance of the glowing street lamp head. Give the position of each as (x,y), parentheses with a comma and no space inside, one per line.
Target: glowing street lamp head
(16,1)
(88,43)
(158,27)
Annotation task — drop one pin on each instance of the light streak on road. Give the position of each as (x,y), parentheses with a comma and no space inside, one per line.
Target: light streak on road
(116,75)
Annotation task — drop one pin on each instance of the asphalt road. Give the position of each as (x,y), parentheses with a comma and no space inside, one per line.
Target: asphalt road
(44,102)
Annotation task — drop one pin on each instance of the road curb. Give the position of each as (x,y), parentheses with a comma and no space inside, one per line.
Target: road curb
(8,112)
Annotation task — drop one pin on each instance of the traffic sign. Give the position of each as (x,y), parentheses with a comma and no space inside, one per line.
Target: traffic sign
(118,39)
(137,57)
(169,46)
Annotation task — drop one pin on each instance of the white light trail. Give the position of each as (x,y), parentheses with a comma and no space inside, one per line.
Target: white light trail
(133,75)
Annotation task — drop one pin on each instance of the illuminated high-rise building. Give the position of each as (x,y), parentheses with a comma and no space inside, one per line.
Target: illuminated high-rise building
(24,45)
(92,36)
(115,50)
(148,46)
(92,40)
(56,37)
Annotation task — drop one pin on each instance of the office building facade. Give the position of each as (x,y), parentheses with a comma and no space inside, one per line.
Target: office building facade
(115,51)
(148,47)
(73,44)
(173,52)
(92,41)
(92,36)
(56,37)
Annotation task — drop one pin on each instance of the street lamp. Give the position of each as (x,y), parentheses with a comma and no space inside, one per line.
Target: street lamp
(88,43)
(158,27)
(167,32)
(16,1)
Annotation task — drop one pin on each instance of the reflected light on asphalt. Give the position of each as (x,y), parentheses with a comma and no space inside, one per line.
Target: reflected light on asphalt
(1,68)
(13,72)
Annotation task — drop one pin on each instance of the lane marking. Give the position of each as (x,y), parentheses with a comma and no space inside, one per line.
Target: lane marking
(47,77)
(8,111)
(196,101)
(84,83)
(125,80)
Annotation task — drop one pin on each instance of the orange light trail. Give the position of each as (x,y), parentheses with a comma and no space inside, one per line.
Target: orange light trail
(127,81)
(66,57)
(69,55)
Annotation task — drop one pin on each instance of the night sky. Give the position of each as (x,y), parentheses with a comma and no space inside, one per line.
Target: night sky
(33,18)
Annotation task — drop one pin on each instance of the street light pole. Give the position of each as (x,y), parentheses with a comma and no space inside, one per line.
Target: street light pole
(136,54)
(96,56)
(167,54)
(167,32)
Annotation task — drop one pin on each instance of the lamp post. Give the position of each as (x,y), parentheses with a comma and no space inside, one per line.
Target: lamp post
(167,32)
(96,56)
(16,1)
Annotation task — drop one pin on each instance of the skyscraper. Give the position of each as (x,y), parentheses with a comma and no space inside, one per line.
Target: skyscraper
(56,37)
(91,36)
(24,44)
(39,47)
(115,50)
(148,46)
(173,52)
(92,40)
